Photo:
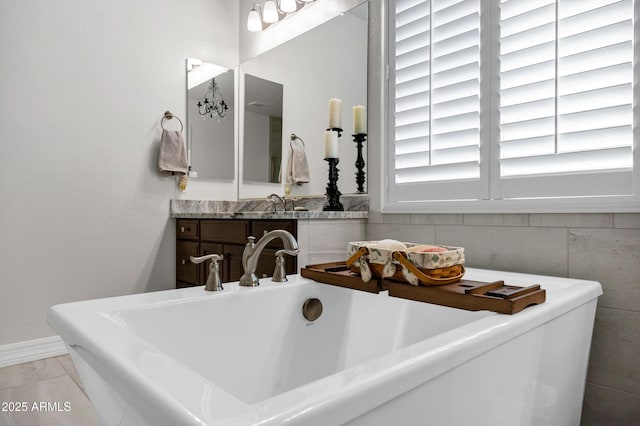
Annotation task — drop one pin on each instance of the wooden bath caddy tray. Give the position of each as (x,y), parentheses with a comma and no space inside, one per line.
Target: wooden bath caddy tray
(464,294)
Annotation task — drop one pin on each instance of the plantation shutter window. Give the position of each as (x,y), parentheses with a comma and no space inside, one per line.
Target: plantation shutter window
(512,101)
(566,94)
(436,110)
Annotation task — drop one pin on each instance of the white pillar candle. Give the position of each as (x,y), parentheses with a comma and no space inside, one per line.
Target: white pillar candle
(330,144)
(335,113)
(359,119)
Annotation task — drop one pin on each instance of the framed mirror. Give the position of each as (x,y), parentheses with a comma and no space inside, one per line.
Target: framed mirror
(210,120)
(328,61)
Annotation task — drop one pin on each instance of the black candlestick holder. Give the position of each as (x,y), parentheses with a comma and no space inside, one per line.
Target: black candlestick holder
(359,138)
(333,194)
(336,129)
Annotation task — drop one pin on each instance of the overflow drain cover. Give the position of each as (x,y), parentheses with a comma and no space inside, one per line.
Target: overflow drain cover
(312,309)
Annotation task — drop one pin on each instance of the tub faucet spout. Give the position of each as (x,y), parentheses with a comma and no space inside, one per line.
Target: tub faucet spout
(253,250)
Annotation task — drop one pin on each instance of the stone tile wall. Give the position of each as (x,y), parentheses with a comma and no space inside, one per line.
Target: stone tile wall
(327,240)
(602,247)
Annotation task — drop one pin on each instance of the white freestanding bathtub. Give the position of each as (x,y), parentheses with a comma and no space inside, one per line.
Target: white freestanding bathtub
(247,356)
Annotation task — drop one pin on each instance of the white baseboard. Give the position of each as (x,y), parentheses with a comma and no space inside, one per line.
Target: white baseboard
(31,350)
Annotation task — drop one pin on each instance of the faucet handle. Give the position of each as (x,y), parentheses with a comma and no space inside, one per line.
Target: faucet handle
(214,257)
(280,275)
(290,252)
(214,283)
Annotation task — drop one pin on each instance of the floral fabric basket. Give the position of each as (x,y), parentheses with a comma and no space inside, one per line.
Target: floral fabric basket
(406,265)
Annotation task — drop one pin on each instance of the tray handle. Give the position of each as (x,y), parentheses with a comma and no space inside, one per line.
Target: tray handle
(365,272)
(399,256)
(357,255)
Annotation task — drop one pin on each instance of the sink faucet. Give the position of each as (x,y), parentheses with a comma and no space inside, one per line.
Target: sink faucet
(279,199)
(252,252)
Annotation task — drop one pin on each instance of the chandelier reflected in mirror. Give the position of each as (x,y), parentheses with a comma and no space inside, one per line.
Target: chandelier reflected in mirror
(213,102)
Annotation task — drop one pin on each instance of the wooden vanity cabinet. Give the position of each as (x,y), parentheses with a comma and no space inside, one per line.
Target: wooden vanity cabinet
(187,272)
(225,230)
(199,237)
(232,264)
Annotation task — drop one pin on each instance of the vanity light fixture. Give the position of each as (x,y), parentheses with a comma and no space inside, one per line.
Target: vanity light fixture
(288,6)
(272,11)
(213,103)
(254,21)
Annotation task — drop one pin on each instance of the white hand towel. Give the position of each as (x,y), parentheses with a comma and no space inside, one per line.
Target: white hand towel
(297,166)
(173,154)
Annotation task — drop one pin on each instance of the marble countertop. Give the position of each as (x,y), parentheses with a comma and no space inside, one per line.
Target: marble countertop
(272,215)
(356,207)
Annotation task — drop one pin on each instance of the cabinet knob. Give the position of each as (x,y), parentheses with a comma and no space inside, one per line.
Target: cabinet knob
(184,262)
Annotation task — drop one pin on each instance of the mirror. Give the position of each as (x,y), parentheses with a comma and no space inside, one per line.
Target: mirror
(262,129)
(210,120)
(328,61)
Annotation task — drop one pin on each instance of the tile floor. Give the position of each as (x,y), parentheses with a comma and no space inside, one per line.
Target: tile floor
(49,390)
(55,381)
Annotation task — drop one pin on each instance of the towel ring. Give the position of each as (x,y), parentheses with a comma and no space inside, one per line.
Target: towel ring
(293,138)
(168,115)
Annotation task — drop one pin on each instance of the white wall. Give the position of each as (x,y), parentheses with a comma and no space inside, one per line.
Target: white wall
(83,87)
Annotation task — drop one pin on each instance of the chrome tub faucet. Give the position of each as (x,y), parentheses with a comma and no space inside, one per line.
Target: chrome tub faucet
(253,250)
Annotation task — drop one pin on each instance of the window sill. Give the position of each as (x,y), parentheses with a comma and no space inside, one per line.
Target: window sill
(554,205)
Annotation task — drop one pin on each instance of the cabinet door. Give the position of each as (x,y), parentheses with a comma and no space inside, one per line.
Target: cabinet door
(209,248)
(187,271)
(224,231)
(232,263)
(266,263)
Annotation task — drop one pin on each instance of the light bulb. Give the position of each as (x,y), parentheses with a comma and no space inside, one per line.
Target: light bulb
(270,14)
(254,23)
(288,6)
